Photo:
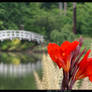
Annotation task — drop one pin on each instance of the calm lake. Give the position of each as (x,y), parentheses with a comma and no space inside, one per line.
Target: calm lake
(16,70)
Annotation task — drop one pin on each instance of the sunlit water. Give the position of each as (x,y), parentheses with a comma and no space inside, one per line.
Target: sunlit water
(18,70)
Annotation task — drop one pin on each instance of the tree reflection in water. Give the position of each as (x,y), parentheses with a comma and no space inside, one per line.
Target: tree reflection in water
(17,64)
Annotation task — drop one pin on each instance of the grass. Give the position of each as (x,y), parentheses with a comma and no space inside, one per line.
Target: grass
(51,75)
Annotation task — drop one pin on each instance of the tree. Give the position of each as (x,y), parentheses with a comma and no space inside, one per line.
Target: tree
(60,7)
(74,17)
(65,8)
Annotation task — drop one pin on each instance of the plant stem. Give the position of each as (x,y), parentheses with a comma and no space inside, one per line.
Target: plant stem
(65,81)
(71,84)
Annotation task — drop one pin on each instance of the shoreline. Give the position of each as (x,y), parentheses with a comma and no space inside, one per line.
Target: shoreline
(25,51)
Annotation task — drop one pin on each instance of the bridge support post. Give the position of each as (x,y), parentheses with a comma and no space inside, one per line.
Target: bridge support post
(21,27)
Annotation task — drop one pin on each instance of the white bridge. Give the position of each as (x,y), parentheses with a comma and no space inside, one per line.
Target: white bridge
(21,34)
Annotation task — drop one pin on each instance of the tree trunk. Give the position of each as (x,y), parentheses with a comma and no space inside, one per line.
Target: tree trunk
(60,7)
(65,8)
(74,17)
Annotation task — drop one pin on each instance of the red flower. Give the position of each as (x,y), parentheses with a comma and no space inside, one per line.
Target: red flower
(84,68)
(61,55)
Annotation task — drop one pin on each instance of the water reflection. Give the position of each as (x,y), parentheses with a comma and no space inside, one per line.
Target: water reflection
(19,64)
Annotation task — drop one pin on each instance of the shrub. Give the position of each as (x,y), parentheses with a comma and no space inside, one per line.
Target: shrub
(60,36)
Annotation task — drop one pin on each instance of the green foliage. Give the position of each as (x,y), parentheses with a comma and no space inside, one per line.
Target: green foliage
(16,45)
(84,12)
(64,34)
(44,18)
(56,36)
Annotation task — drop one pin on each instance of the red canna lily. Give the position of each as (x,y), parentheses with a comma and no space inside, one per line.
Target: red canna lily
(61,55)
(89,69)
(84,68)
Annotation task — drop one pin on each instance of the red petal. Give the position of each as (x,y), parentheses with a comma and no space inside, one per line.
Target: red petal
(89,60)
(54,52)
(85,66)
(89,67)
(65,44)
(53,48)
(83,61)
(90,78)
(61,54)
(85,69)
(74,45)
(69,47)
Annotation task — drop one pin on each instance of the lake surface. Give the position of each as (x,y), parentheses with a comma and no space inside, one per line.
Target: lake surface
(19,66)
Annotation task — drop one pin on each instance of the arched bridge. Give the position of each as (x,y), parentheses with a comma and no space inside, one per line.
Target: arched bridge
(21,34)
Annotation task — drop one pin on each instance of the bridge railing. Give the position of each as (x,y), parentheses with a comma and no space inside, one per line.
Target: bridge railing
(21,34)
